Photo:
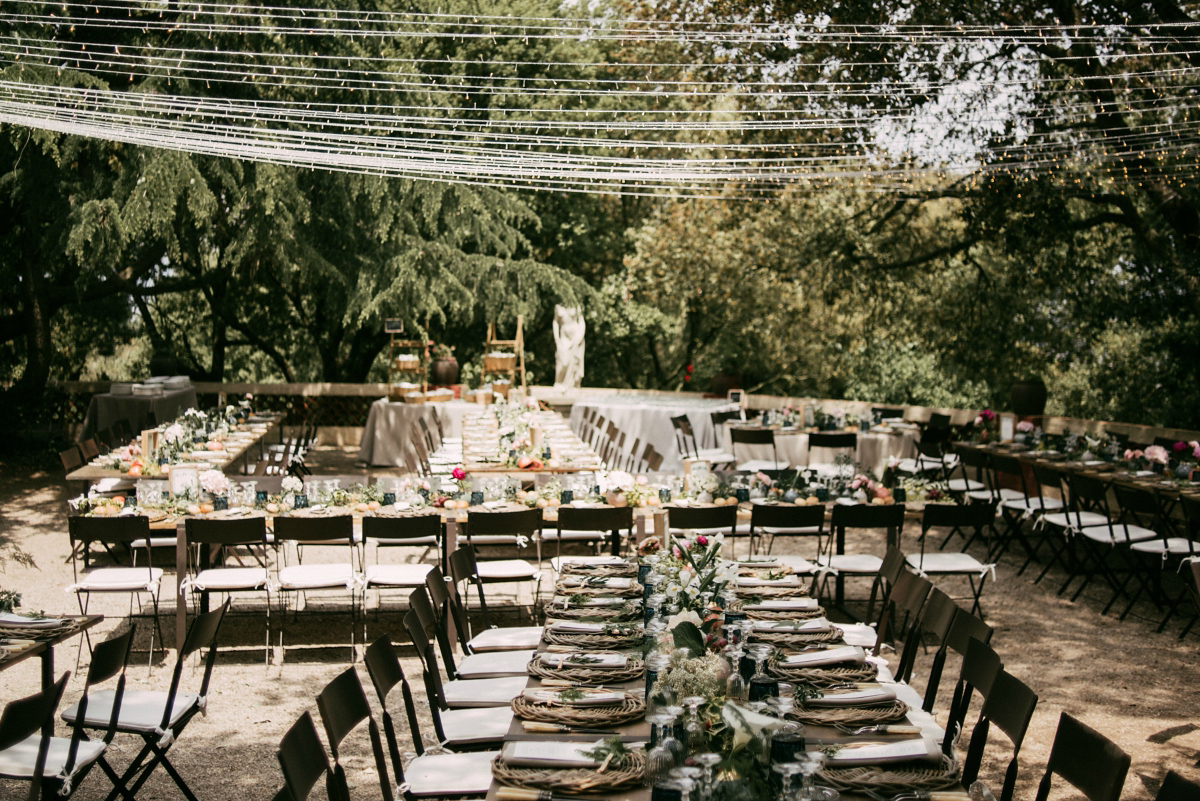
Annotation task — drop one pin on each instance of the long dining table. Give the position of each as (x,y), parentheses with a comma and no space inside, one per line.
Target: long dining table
(818,736)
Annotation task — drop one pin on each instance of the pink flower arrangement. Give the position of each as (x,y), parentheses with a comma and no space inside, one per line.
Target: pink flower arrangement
(863,482)
(764,478)
(458,473)
(1132,455)
(1157,453)
(1025,426)
(702,541)
(1195,449)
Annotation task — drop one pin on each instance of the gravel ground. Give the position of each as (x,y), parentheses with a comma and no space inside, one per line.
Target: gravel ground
(1137,687)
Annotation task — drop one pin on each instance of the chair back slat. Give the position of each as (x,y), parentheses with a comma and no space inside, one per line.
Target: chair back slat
(1087,760)
(302,758)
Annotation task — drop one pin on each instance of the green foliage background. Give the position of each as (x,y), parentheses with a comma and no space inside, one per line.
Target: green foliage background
(941,294)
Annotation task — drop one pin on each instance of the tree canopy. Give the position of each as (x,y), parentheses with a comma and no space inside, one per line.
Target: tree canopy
(904,203)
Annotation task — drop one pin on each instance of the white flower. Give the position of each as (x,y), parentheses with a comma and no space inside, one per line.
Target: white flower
(685,575)
(684,617)
(619,479)
(173,433)
(746,725)
(291,484)
(214,482)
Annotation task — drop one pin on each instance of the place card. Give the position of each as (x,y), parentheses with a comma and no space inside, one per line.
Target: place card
(588,697)
(554,754)
(600,661)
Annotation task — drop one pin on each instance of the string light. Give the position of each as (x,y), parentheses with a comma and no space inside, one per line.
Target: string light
(584,131)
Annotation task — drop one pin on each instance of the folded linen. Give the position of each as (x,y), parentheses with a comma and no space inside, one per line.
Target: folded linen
(830,656)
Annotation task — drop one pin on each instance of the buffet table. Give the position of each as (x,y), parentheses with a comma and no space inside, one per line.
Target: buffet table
(385,441)
(106,409)
(648,419)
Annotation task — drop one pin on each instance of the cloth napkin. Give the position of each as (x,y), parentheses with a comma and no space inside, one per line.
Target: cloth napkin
(14,620)
(590,697)
(831,656)
(613,583)
(554,754)
(607,661)
(753,581)
(785,604)
(576,627)
(601,600)
(924,750)
(818,625)
(864,697)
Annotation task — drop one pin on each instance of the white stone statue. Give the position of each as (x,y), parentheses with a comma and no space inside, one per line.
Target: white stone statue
(569,329)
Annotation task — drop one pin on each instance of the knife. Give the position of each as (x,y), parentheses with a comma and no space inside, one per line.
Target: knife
(538,726)
(525,794)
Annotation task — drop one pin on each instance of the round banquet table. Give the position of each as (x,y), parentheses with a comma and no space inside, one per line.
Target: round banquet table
(385,440)
(648,419)
(875,447)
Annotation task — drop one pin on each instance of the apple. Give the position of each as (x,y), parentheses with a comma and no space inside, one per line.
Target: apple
(272,508)
(135,470)
(206,508)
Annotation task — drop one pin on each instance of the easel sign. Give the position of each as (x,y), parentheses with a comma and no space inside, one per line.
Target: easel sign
(393,325)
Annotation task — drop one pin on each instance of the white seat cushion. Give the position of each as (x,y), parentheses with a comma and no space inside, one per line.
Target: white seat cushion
(1070,519)
(18,761)
(803,531)
(741,529)
(231,578)
(141,710)
(475,726)
(863,563)
(758,465)
(716,455)
(316,576)
(515,638)
(483,692)
(550,534)
(1178,546)
(397,575)
(450,774)
(494,539)
(506,570)
(1119,533)
(119,579)
(1033,504)
(945,563)
(402,541)
(155,542)
(964,485)
(798,564)
(495,664)
(558,561)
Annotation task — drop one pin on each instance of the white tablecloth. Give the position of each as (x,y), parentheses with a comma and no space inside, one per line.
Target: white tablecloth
(648,419)
(385,440)
(872,453)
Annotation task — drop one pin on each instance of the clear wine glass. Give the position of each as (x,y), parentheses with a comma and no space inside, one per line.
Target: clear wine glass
(788,771)
(659,759)
(686,778)
(810,765)
(735,685)
(708,762)
(693,729)
(669,740)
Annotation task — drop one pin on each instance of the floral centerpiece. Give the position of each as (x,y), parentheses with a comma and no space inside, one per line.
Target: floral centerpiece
(986,427)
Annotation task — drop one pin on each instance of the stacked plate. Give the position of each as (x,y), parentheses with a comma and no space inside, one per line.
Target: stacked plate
(177,382)
(121,388)
(147,390)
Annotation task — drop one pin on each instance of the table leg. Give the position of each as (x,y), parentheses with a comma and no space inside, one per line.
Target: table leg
(180,575)
(47,658)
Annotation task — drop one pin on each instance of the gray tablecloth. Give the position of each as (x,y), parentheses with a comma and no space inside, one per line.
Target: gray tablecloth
(385,440)
(106,409)
(648,419)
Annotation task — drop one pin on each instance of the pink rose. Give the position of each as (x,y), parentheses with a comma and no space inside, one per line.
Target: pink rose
(1157,453)
(458,473)
(702,540)
(1179,447)
(764,478)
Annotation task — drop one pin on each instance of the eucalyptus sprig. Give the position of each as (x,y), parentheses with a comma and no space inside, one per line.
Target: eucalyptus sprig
(571,694)
(608,752)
